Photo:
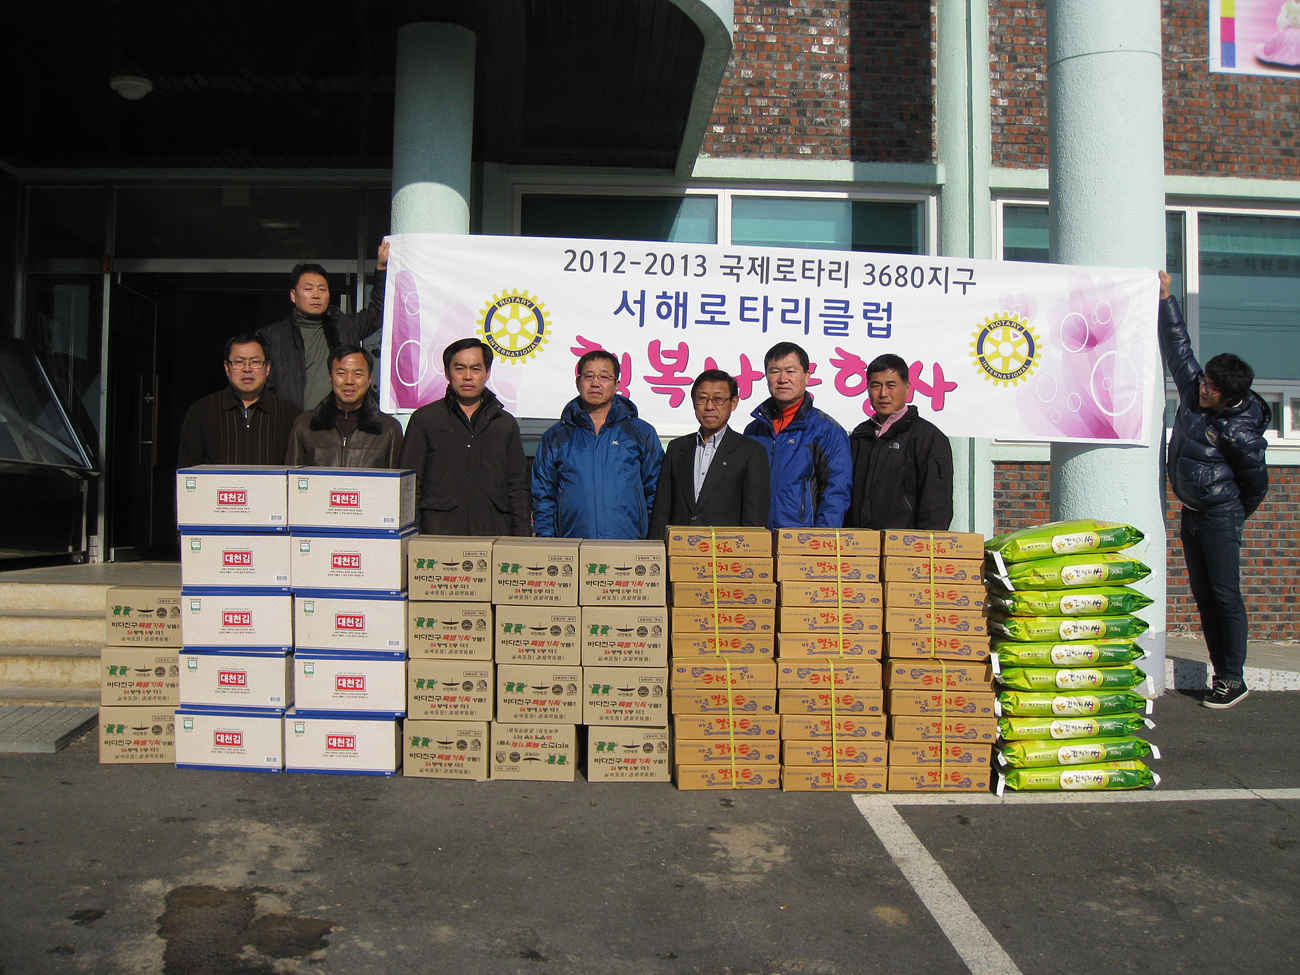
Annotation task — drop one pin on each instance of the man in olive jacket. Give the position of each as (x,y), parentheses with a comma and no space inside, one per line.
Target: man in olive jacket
(347,429)
(467,454)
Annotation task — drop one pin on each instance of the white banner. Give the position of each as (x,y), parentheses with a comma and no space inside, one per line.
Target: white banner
(1255,37)
(997,349)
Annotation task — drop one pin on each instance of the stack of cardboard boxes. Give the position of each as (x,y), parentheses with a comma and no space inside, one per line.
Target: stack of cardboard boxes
(937,676)
(725,722)
(138,687)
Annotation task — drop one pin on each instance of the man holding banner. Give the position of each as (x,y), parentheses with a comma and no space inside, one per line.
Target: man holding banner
(597,469)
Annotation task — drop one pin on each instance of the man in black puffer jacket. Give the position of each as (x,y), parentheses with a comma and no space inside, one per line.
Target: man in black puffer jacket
(1217,470)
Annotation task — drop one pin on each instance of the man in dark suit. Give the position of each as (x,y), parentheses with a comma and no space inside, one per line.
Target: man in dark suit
(715,476)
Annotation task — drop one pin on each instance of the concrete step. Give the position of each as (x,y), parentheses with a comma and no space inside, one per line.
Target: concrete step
(50,667)
(22,598)
(66,696)
(52,628)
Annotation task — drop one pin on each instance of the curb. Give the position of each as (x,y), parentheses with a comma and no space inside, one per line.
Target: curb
(1194,675)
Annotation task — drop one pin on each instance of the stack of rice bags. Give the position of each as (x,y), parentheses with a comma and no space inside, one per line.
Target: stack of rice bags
(1071,696)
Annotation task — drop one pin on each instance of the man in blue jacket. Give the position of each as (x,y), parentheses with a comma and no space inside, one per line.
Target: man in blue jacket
(596,470)
(1217,470)
(808,452)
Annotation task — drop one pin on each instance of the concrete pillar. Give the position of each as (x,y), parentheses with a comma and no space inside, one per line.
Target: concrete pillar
(963,137)
(1106,157)
(433,129)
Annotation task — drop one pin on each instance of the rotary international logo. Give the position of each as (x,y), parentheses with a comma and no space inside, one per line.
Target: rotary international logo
(515,325)
(1005,349)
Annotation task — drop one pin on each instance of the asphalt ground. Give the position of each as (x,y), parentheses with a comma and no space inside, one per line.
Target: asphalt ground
(151,869)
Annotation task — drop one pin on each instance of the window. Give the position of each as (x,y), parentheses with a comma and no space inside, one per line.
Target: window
(687,219)
(833,224)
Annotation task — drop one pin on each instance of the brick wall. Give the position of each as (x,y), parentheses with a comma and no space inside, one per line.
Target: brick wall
(1270,557)
(841,79)
(1215,124)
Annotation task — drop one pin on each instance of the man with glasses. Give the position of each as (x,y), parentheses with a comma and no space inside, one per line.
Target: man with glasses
(347,428)
(715,476)
(596,470)
(242,424)
(1217,470)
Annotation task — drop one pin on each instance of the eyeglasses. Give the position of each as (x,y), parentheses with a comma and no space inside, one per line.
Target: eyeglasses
(1209,386)
(596,377)
(718,401)
(246,363)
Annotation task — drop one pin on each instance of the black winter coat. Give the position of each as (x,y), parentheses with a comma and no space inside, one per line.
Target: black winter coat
(903,479)
(1216,457)
(471,479)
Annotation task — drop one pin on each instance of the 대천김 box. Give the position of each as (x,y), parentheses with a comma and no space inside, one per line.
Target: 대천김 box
(538,635)
(538,571)
(374,683)
(945,545)
(846,778)
(230,678)
(847,751)
(354,622)
(628,754)
(137,735)
(244,618)
(933,778)
(622,573)
(235,738)
(850,595)
(532,694)
(450,568)
(450,690)
(624,636)
(534,752)
(228,560)
(955,572)
(819,672)
(721,700)
(372,563)
(138,677)
(735,725)
(698,570)
(349,499)
(756,595)
(828,568)
(856,542)
(819,727)
(728,541)
(461,631)
(342,744)
(828,645)
(725,775)
(446,750)
(857,702)
(625,696)
(215,496)
(143,616)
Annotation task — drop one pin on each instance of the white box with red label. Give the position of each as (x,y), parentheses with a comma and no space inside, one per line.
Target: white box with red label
(216,496)
(342,744)
(221,677)
(369,563)
(235,738)
(231,560)
(371,682)
(354,622)
(250,618)
(351,499)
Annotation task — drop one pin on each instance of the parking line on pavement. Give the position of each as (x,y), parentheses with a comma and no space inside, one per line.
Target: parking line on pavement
(1084,797)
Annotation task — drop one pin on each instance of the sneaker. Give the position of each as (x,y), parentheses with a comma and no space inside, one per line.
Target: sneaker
(1225,693)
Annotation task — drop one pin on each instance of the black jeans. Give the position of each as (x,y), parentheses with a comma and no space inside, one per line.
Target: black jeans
(1212,548)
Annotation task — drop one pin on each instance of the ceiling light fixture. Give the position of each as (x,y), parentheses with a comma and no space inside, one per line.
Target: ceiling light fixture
(130,87)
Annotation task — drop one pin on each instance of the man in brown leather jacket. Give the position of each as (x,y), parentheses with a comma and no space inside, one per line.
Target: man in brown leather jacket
(346,429)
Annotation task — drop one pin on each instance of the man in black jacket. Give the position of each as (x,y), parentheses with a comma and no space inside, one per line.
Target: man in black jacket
(300,344)
(1217,470)
(467,454)
(347,428)
(902,463)
(715,476)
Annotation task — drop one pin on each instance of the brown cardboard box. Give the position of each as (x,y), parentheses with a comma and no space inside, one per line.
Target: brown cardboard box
(755,595)
(938,703)
(622,573)
(930,778)
(902,620)
(826,754)
(862,703)
(536,571)
(924,595)
(953,754)
(745,726)
(821,727)
(725,776)
(828,541)
(450,568)
(528,694)
(373,563)
(544,635)
(624,636)
(450,690)
(236,679)
(831,619)
(349,622)
(342,744)
(931,674)
(850,595)
(749,543)
(625,696)
(952,646)
(628,754)
(917,544)
(712,672)
(258,560)
(535,752)
(705,570)
(246,618)
(448,630)
(234,738)
(139,677)
(217,496)
(725,620)
(851,778)
(137,735)
(719,700)
(446,750)
(734,645)
(350,499)
(828,645)
(827,568)
(971,730)
(825,672)
(143,616)
(958,572)
(712,751)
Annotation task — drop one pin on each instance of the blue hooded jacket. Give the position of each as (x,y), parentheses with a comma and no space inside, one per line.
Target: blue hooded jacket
(812,467)
(596,485)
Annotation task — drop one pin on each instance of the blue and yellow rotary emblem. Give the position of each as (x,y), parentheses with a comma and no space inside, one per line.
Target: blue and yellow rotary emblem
(514,324)
(1006,349)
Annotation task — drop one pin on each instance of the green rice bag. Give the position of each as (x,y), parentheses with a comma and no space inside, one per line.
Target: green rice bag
(1079,654)
(1070,678)
(1103,775)
(1068,729)
(1085,751)
(1031,629)
(1096,569)
(1097,601)
(1069,703)
(1063,538)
